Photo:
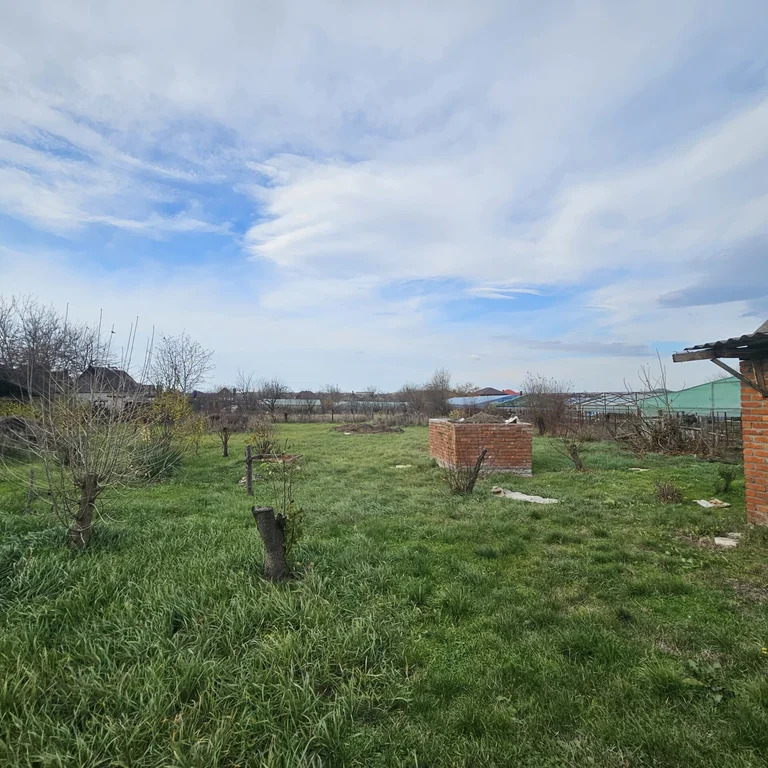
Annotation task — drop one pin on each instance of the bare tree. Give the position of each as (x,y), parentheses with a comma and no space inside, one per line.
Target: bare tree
(226,423)
(85,431)
(329,398)
(546,400)
(36,341)
(415,398)
(245,386)
(437,391)
(308,406)
(466,389)
(269,392)
(371,392)
(180,362)
(665,430)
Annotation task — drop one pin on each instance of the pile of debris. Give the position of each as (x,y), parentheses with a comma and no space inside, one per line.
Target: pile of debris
(485,418)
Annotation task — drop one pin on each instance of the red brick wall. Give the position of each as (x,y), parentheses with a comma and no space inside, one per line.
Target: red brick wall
(509,446)
(754,427)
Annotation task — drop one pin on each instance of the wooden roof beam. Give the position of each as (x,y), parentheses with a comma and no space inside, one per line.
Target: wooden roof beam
(698,354)
(741,377)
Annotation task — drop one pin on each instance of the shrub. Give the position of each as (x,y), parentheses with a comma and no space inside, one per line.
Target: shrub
(157,461)
(461,480)
(263,439)
(666,433)
(726,474)
(668,493)
(571,448)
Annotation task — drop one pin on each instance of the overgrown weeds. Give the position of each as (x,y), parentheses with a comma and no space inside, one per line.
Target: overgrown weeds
(263,439)
(668,493)
(726,474)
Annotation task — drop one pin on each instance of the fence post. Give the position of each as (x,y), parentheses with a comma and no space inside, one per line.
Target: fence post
(248,471)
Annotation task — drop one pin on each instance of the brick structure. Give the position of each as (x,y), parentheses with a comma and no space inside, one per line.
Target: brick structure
(752,352)
(754,430)
(457,444)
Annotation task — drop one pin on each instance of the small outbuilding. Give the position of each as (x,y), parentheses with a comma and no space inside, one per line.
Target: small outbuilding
(751,350)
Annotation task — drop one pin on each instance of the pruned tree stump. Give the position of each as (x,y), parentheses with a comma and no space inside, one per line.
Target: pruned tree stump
(272,531)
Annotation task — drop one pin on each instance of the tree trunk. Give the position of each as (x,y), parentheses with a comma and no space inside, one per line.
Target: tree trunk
(573,452)
(225,442)
(80,531)
(30,491)
(248,471)
(272,532)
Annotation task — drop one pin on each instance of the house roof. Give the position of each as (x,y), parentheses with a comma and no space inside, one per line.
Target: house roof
(487,391)
(746,346)
(17,382)
(10,384)
(99,378)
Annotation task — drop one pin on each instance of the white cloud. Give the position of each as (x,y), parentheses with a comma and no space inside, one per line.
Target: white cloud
(497,149)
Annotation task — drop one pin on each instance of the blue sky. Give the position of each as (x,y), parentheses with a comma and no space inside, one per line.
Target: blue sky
(360,193)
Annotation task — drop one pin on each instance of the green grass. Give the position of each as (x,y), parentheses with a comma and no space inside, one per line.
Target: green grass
(427,630)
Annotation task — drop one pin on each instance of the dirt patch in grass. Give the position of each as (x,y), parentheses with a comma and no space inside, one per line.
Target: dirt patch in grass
(703,542)
(752,592)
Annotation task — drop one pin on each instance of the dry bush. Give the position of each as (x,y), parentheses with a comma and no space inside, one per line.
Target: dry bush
(668,493)
(726,474)
(263,439)
(666,433)
(462,479)
(546,403)
(393,419)
(570,447)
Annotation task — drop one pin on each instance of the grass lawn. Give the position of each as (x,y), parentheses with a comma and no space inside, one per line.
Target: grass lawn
(427,630)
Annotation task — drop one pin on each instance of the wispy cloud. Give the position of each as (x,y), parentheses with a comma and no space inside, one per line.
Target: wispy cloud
(585,178)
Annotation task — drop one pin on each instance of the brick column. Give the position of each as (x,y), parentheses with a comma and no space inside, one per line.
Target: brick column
(754,429)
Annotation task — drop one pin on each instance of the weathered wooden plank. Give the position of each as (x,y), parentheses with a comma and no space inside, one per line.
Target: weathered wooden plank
(699,354)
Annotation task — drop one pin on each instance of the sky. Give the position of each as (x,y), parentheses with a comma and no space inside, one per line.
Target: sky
(361,192)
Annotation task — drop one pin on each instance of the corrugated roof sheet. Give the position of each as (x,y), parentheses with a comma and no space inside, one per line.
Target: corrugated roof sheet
(760,336)
(736,341)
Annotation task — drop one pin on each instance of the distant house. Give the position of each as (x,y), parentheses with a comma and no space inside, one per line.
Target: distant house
(100,378)
(10,385)
(18,383)
(487,392)
(111,386)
